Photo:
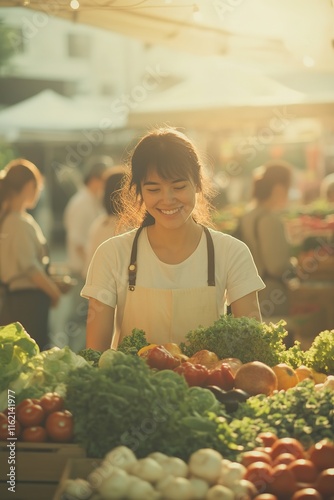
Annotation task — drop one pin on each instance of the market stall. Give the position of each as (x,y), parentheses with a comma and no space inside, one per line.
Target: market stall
(150,421)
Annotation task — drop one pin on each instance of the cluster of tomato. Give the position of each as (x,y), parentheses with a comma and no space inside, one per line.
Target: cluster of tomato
(195,373)
(38,420)
(282,469)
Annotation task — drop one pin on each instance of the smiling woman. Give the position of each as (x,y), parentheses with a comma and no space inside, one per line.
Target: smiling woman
(173,273)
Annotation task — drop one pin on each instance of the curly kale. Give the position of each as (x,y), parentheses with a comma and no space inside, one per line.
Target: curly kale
(244,338)
(320,355)
(91,355)
(131,344)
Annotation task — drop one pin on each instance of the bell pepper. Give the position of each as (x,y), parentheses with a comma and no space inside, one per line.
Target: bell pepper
(221,377)
(195,375)
(158,357)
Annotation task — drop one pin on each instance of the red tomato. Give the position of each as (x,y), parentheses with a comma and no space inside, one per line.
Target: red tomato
(34,434)
(51,401)
(325,483)
(303,470)
(283,482)
(260,474)
(23,403)
(267,438)
(3,417)
(284,458)
(287,445)
(322,454)
(255,456)
(307,494)
(31,415)
(59,426)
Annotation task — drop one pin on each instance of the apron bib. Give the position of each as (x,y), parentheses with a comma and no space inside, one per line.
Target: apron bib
(167,315)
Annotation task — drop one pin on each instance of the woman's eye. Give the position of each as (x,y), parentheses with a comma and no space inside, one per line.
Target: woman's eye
(179,187)
(153,190)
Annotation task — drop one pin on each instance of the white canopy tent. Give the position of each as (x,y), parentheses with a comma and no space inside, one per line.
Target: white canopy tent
(51,116)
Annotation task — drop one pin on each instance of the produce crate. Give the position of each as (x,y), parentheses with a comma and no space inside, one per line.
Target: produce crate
(38,467)
(76,468)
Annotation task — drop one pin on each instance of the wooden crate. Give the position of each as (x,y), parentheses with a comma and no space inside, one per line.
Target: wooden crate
(76,468)
(38,467)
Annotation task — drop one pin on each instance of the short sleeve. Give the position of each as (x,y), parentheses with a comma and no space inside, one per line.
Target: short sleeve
(242,275)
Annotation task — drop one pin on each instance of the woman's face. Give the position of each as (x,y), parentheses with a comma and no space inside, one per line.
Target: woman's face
(171,202)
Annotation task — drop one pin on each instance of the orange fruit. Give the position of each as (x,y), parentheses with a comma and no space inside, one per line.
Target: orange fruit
(319,378)
(256,377)
(286,376)
(304,372)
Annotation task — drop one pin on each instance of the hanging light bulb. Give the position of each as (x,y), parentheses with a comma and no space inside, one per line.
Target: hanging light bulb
(74,4)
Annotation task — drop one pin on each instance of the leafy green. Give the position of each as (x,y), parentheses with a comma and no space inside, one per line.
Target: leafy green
(16,347)
(244,338)
(300,412)
(91,355)
(320,355)
(138,407)
(294,356)
(131,344)
(47,371)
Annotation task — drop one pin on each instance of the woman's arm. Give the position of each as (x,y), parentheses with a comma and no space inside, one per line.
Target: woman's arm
(100,325)
(247,306)
(42,281)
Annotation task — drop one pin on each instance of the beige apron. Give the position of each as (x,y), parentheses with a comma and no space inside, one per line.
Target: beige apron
(166,315)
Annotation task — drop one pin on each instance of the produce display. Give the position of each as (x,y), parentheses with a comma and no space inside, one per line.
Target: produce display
(280,470)
(232,393)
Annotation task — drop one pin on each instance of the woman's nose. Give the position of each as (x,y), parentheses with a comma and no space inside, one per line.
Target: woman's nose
(168,195)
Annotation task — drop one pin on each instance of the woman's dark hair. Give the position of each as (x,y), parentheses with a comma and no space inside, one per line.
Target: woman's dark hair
(113,185)
(172,155)
(268,176)
(15,175)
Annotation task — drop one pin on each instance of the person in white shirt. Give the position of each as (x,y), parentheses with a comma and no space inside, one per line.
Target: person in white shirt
(82,210)
(173,273)
(24,259)
(105,226)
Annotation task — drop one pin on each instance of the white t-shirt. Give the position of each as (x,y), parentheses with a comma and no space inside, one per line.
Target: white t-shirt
(107,277)
(103,228)
(80,212)
(22,249)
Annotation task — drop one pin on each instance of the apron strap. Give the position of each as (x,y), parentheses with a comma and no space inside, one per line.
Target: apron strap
(211,258)
(133,261)
(133,264)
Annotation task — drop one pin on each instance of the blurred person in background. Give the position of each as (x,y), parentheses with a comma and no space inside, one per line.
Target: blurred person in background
(24,260)
(105,225)
(263,232)
(83,208)
(327,188)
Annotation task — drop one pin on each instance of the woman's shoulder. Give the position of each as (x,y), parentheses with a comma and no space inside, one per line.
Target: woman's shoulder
(120,241)
(221,238)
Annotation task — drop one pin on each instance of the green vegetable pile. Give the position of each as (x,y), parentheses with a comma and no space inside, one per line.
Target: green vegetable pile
(320,355)
(300,412)
(29,372)
(244,338)
(124,402)
(132,343)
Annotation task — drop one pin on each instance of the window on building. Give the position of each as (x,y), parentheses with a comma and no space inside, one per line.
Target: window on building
(79,45)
